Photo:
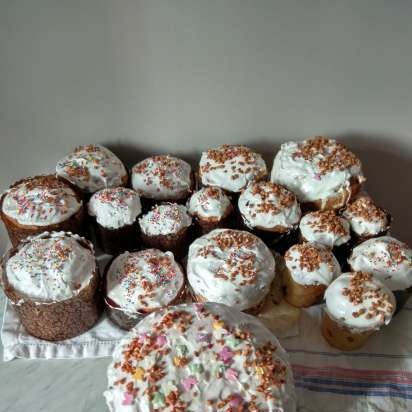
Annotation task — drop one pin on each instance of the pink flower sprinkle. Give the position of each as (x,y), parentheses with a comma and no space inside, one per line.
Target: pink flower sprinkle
(226,355)
(231,374)
(189,383)
(161,340)
(143,337)
(127,399)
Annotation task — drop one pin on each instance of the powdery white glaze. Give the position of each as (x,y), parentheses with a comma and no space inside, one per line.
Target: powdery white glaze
(115,207)
(209,203)
(315,169)
(366,219)
(41,201)
(389,259)
(231,167)
(51,267)
(325,227)
(359,301)
(162,177)
(312,264)
(91,168)
(267,205)
(144,280)
(193,358)
(231,267)
(165,219)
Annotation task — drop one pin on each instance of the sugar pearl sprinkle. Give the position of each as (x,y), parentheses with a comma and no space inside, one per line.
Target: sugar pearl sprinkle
(199,367)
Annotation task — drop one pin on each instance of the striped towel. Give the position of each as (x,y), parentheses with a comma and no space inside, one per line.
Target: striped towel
(377,377)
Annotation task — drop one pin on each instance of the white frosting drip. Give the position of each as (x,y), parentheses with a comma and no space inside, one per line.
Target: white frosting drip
(51,267)
(359,314)
(231,167)
(266,205)
(365,218)
(146,280)
(115,207)
(162,178)
(387,258)
(221,367)
(91,168)
(325,228)
(41,201)
(165,219)
(209,203)
(231,267)
(312,273)
(305,177)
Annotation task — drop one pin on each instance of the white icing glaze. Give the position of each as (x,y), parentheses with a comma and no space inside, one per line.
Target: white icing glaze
(165,219)
(325,228)
(41,201)
(231,267)
(351,301)
(91,168)
(147,279)
(51,267)
(365,218)
(307,177)
(209,203)
(312,264)
(389,259)
(231,167)
(266,205)
(162,178)
(224,356)
(115,207)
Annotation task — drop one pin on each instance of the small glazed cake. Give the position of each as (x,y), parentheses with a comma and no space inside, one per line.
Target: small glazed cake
(163,178)
(366,219)
(211,209)
(231,167)
(52,281)
(322,173)
(40,204)
(167,227)
(195,357)
(114,213)
(309,269)
(269,209)
(389,259)
(92,168)
(140,282)
(357,305)
(233,267)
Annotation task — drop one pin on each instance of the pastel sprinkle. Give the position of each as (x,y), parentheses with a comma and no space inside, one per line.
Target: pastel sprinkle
(127,399)
(158,399)
(196,368)
(203,337)
(161,340)
(189,383)
(218,324)
(231,374)
(181,350)
(226,355)
(236,401)
(138,374)
(179,361)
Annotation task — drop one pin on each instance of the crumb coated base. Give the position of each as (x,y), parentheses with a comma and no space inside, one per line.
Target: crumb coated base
(341,337)
(301,296)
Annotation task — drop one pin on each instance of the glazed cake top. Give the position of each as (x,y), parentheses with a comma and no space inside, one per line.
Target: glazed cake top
(359,300)
(312,264)
(315,169)
(365,218)
(165,219)
(51,266)
(115,207)
(40,201)
(209,203)
(91,168)
(200,357)
(162,177)
(144,280)
(267,205)
(232,267)
(231,167)
(325,227)
(389,259)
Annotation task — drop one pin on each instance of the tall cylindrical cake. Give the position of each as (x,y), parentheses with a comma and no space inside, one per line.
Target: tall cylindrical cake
(41,204)
(200,357)
(52,282)
(233,267)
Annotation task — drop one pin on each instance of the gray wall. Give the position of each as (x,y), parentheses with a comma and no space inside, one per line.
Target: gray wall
(155,76)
